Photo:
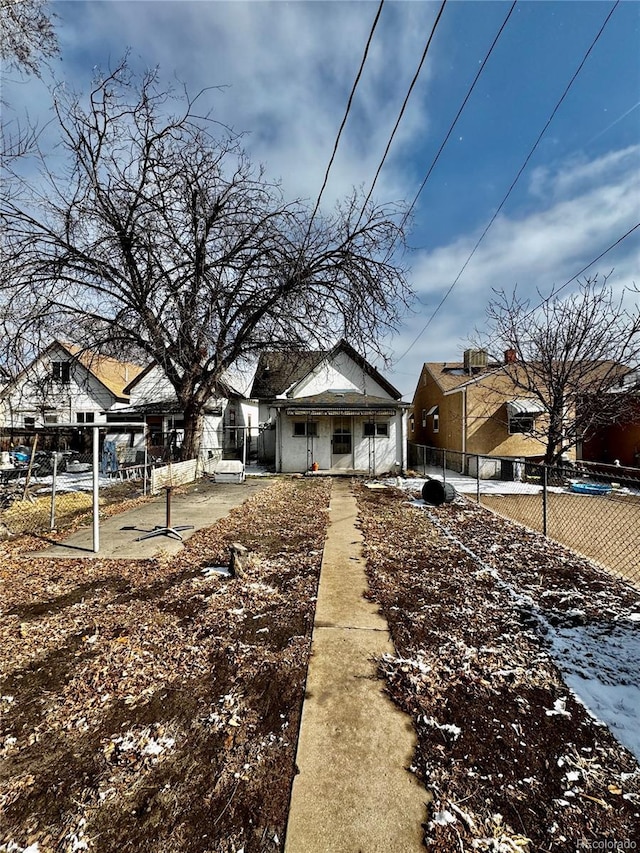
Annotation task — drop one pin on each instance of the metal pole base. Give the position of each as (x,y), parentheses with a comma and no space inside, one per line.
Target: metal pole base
(166,531)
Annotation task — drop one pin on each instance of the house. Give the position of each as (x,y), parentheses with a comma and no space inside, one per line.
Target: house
(475,407)
(65,384)
(229,417)
(328,411)
(618,442)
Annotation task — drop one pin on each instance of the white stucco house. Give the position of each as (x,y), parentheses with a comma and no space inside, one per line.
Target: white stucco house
(328,411)
(65,384)
(228,417)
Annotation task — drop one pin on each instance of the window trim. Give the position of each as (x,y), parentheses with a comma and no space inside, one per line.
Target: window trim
(61,371)
(524,418)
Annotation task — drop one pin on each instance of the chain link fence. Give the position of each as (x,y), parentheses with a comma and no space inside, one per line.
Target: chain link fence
(46,479)
(592,508)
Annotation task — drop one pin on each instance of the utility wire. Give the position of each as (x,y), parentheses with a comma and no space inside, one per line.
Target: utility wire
(455,121)
(513,184)
(402,109)
(347,111)
(584,269)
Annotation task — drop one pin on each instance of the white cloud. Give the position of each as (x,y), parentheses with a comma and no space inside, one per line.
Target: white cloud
(287,70)
(534,252)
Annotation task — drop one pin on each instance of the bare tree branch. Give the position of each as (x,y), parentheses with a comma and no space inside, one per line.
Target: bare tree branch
(161,236)
(572,354)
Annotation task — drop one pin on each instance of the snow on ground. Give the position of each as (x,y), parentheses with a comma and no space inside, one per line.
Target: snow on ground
(74,482)
(469,485)
(599,661)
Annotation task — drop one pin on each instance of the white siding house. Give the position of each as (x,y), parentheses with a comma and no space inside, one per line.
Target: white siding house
(153,400)
(65,385)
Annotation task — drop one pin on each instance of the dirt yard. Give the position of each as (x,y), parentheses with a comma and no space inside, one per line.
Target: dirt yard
(154,705)
(603,528)
(513,759)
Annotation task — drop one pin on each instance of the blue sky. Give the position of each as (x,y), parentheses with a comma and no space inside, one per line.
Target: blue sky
(287,68)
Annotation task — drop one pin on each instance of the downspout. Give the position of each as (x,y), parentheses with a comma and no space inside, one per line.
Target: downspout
(464,421)
(403,439)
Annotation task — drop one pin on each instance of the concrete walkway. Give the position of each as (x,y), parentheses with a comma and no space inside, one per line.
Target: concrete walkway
(199,505)
(353,793)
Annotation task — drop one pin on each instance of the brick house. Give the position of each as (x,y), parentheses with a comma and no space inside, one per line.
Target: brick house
(475,407)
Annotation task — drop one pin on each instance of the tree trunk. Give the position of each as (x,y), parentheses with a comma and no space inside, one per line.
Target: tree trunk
(193,428)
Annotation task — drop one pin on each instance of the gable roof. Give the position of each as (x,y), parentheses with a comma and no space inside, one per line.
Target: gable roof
(224,386)
(280,370)
(115,375)
(452,376)
(112,374)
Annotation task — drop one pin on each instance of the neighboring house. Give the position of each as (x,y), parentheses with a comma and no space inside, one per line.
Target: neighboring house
(228,417)
(65,384)
(474,407)
(618,441)
(329,411)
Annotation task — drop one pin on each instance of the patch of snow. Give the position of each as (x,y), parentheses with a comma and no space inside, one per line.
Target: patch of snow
(443,818)
(12,847)
(559,708)
(453,730)
(601,664)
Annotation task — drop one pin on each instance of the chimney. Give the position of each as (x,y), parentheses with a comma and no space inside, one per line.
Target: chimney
(510,356)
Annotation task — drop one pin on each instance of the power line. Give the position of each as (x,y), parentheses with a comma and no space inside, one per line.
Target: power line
(458,114)
(402,109)
(513,184)
(347,111)
(583,270)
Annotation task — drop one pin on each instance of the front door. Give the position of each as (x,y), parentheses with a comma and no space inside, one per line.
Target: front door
(341,441)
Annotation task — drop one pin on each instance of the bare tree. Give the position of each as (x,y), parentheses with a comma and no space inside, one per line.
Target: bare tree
(572,354)
(160,236)
(27,35)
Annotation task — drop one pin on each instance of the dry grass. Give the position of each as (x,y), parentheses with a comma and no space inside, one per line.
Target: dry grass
(603,528)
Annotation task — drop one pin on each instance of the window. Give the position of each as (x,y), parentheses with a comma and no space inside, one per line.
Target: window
(62,371)
(50,419)
(302,428)
(85,417)
(522,413)
(29,422)
(520,424)
(434,412)
(424,417)
(371,429)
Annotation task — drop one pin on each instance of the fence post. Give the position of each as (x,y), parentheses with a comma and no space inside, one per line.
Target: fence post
(544,499)
(54,474)
(478,478)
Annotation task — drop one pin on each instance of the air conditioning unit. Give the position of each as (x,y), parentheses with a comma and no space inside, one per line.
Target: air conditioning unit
(475,359)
